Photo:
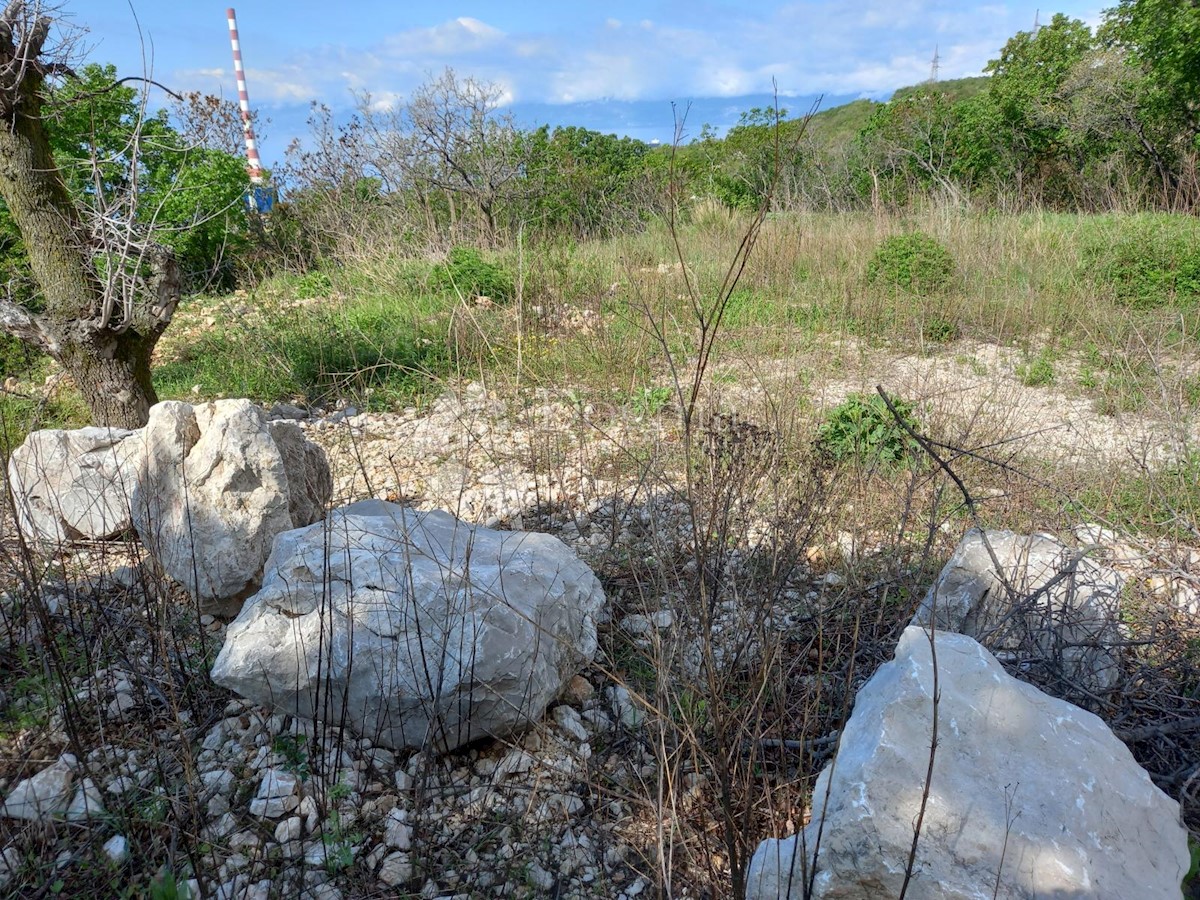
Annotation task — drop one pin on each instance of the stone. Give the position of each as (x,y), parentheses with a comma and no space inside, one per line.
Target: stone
(75,485)
(396,869)
(45,795)
(1048,610)
(397,832)
(416,629)
(217,484)
(277,783)
(569,721)
(288,830)
(1023,784)
(86,804)
(10,864)
(116,848)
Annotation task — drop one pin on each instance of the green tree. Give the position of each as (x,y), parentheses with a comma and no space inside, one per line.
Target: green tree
(107,292)
(1026,89)
(1159,40)
(580,180)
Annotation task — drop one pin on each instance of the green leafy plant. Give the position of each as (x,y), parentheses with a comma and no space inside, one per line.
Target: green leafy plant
(862,427)
(939,330)
(165,886)
(314,284)
(466,272)
(339,844)
(295,755)
(1150,261)
(1036,371)
(650,401)
(913,262)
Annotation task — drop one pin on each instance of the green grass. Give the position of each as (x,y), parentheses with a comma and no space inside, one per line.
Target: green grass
(1165,502)
(381,348)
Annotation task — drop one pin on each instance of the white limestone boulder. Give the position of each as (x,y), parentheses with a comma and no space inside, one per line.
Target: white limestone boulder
(43,796)
(1024,785)
(414,628)
(74,485)
(1049,610)
(217,483)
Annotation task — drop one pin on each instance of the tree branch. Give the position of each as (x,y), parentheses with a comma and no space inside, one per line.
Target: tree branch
(19,322)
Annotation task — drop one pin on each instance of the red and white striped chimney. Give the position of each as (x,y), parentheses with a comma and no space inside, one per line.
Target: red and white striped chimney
(254,169)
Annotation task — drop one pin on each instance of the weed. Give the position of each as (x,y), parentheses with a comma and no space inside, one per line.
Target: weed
(294,753)
(650,401)
(466,272)
(165,886)
(862,427)
(1036,371)
(314,284)
(913,262)
(974,364)
(339,844)
(939,330)
(1150,261)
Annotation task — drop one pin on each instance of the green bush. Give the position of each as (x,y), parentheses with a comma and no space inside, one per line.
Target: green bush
(914,262)
(313,284)
(939,330)
(1036,371)
(862,427)
(1149,261)
(650,401)
(466,272)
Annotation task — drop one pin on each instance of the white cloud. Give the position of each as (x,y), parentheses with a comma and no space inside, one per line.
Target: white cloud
(807,46)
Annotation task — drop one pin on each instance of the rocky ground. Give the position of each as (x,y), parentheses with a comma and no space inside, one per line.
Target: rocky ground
(168,780)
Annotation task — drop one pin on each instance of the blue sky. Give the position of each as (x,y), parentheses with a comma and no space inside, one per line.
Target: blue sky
(613,66)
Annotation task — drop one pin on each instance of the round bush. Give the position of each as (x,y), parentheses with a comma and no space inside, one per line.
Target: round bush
(914,262)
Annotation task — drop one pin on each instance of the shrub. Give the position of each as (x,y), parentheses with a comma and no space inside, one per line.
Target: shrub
(939,330)
(1036,371)
(1151,261)
(650,401)
(913,262)
(862,427)
(468,273)
(313,284)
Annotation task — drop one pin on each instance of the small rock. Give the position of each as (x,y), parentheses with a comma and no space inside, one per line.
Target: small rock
(116,848)
(10,862)
(622,703)
(277,783)
(664,618)
(121,705)
(579,691)
(396,870)
(86,804)
(288,830)
(273,808)
(397,832)
(568,720)
(539,877)
(637,625)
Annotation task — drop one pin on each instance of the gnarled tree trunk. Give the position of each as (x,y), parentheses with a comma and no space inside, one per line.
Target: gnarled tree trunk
(103,341)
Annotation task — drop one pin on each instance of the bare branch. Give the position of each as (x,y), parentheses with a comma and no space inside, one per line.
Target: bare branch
(19,322)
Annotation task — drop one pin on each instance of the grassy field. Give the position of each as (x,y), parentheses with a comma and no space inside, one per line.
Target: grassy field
(730,454)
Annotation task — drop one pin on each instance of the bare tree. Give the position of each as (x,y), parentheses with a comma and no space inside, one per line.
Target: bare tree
(458,142)
(107,292)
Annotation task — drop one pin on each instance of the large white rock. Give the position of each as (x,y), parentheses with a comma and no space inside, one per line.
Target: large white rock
(74,485)
(216,485)
(44,795)
(1047,609)
(1024,785)
(419,629)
